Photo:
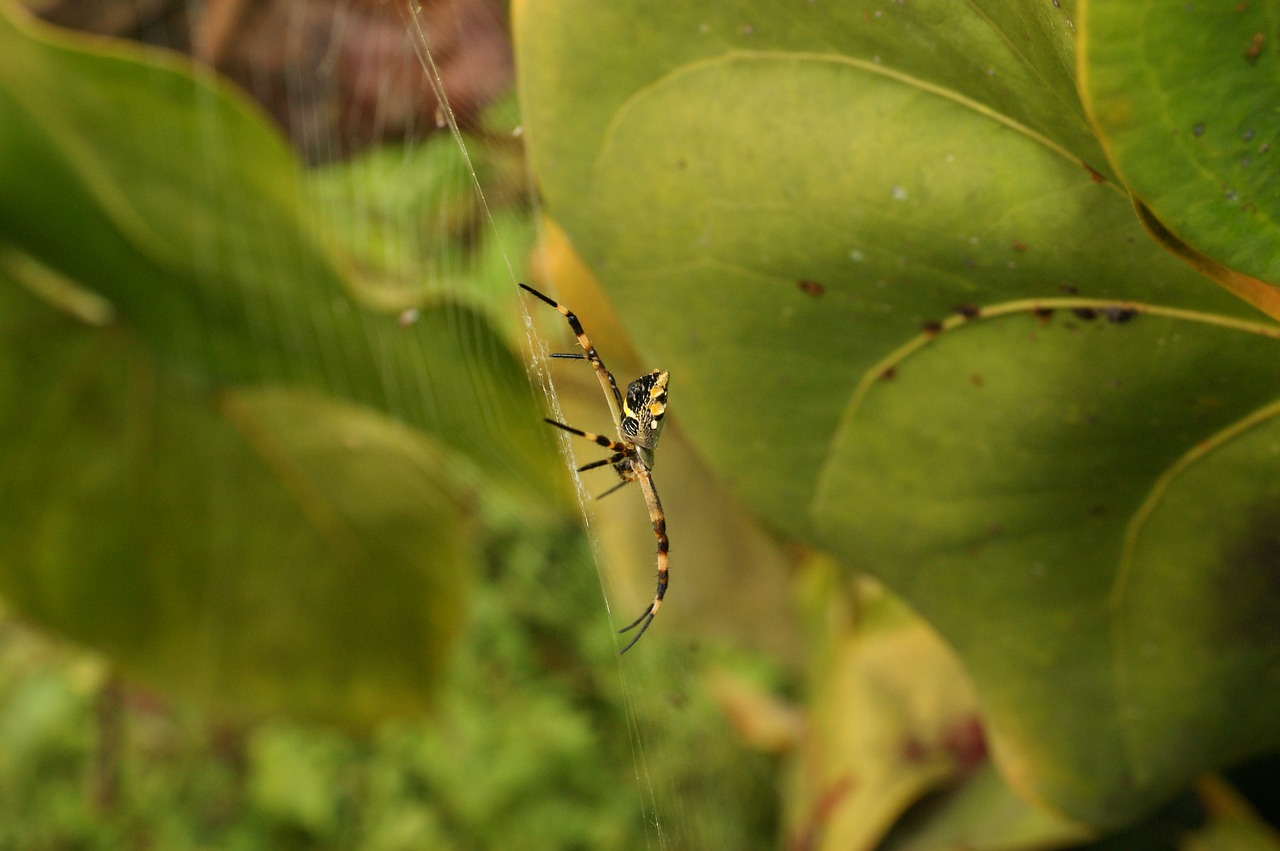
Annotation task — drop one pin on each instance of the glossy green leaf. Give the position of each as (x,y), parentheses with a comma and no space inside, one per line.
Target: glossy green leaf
(845,231)
(1183,96)
(1088,525)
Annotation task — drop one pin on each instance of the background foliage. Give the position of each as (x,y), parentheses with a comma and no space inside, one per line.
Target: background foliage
(962,296)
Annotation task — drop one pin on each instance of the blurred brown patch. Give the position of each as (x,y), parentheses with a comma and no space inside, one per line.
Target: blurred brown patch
(337,75)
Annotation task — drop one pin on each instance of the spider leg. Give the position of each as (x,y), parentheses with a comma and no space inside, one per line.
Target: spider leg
(621,453)
(597,439)
(613,459)
(632,458)
(619,485)
(660,531)
(606,377)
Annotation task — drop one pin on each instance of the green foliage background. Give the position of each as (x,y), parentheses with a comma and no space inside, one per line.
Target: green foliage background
(928,278)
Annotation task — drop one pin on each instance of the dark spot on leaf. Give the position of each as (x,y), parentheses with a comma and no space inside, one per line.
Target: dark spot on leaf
(976,380)
(1094,174)
(967,744)
(812,288)
(1085,313)
(1042,314)
(1248,135)
(889,373)
(968,311)
(1254,50)
(1118,315)
(931,327)
(1019,245)
(1198,130)
(1248,584)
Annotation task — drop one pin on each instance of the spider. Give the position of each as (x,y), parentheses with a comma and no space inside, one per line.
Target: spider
(638,419)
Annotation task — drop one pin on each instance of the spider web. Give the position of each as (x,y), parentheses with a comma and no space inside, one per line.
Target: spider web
(417,181)
(655,686)
(276,403)
(647,707)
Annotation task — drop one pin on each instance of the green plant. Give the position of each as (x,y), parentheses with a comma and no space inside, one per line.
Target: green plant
(889,252)
(938,288)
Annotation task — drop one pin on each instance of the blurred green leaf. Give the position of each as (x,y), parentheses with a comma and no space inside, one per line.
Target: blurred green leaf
(1232,826)
(418,231)
(258,547)
(174,200)
(983,814)
(220,465)
(893,718)
(845,231)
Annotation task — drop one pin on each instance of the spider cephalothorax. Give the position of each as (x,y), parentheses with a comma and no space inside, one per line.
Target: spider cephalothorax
(638,418)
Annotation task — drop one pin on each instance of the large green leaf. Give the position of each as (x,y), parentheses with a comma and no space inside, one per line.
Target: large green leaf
(1183,95)
(1088,525)
(844,231)
(236,477)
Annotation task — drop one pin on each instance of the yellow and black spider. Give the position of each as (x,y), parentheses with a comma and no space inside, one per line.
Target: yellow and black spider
(638,419)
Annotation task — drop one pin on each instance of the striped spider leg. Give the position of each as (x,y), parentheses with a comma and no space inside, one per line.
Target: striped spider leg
(638,418)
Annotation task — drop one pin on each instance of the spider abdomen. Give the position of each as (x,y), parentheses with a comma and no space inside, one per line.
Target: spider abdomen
(644,407)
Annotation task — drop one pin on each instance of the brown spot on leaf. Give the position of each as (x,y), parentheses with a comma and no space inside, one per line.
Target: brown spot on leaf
(1254,50)
(967,743)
